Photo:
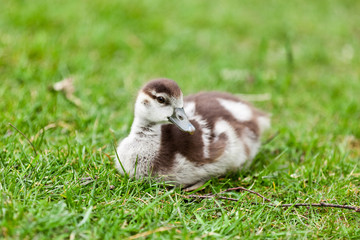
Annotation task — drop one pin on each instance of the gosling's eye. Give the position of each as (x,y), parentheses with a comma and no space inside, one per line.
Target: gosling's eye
(160,99)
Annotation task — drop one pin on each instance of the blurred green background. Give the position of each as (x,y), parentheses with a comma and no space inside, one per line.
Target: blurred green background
(305,54)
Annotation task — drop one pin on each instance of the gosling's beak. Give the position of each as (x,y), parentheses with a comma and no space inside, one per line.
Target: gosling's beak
(180,119)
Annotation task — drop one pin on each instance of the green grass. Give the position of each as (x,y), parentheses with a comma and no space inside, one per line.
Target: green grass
(304,53)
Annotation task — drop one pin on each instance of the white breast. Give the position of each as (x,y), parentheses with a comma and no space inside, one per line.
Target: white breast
(136,154)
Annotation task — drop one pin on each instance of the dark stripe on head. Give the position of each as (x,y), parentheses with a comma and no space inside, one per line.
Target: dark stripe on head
(164,85)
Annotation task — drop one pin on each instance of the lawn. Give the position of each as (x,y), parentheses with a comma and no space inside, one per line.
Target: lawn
(302,55)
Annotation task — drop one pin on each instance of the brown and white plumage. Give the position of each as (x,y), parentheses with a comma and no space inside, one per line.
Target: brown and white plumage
(225,135)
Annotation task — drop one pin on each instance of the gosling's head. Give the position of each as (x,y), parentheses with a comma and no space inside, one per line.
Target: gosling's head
(161,101)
